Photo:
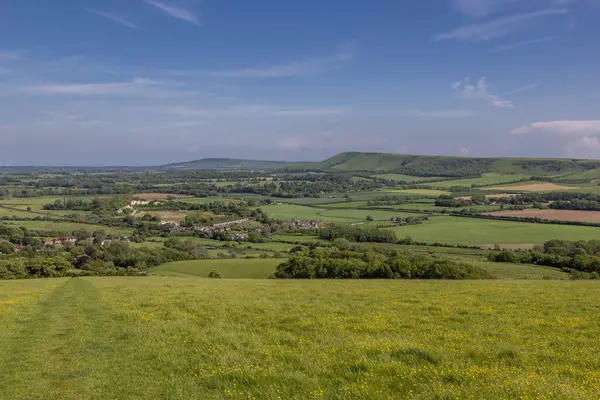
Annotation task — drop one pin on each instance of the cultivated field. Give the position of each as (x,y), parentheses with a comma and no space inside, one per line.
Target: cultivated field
(533,187)
(556,215)
(152,338)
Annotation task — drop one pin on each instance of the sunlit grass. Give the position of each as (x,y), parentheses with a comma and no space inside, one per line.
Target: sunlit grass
(149,338)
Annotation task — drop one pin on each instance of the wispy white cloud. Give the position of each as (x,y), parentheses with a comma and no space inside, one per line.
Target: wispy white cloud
(485,8)
(175,11)
(494,29)
(442,113)
(517,45)
(525,88)
(479,90)
(114,17)
(561,127)
(91,89)
(304,67)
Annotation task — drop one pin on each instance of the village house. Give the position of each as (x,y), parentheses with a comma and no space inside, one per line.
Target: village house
(59,241)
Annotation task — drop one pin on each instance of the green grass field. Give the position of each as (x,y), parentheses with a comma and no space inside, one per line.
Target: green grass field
(486,179)
(229,268)
(170,338)
(422,192)
(406,178)
(472,231)
(67,227)
(520,271)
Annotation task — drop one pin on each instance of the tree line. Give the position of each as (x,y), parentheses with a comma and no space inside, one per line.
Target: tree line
(333,263)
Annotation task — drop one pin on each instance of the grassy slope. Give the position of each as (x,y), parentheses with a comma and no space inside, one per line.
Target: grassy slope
(150,338)
(228,163)
(229,268)
(385,162)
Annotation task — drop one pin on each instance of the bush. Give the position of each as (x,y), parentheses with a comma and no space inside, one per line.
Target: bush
(214,274)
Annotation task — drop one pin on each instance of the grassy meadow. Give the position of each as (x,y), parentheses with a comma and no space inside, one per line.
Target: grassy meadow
(474,231)
(68,227)
(169,338)
(228,269)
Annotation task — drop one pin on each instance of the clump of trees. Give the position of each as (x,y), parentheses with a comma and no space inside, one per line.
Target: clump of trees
(358,234)
(581,259)
(336,263)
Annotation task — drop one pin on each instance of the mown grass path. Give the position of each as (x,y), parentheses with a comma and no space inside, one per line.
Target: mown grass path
(61,346)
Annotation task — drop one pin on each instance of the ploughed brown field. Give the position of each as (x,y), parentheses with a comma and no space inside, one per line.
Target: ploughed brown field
(557,215)
(158,196)
(533,187)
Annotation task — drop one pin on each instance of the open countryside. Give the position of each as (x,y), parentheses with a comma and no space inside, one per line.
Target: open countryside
(242,291)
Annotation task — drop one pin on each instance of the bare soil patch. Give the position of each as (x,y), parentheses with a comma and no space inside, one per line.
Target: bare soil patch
(522,246)
(534,187)
(159,196)
(555,215)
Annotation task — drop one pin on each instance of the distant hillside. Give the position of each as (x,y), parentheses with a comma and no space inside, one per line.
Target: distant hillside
(229,163)
(451,166)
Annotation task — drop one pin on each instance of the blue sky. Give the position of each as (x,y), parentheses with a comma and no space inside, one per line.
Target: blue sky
(144,82)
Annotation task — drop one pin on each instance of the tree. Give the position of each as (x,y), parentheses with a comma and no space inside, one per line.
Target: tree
(214,274)
(370,218)
(342,244)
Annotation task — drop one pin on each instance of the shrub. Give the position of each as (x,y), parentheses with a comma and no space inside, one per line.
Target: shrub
(214,274)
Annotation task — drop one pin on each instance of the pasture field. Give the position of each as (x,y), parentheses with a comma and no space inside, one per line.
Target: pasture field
(346,204)
(292,211)
(159,196)
(486,179)
(420,192)
(432,207)
(298,238)
(337,215)
(361,215)
(36,203)
(238,268)
(407,178)
(520,271)
(533,187)
(10,212)
(549,214)
(474,231)
(67,227)
(168,338)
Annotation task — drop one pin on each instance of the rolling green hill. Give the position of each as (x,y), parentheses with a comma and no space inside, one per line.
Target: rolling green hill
(417,165)
(229,163)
